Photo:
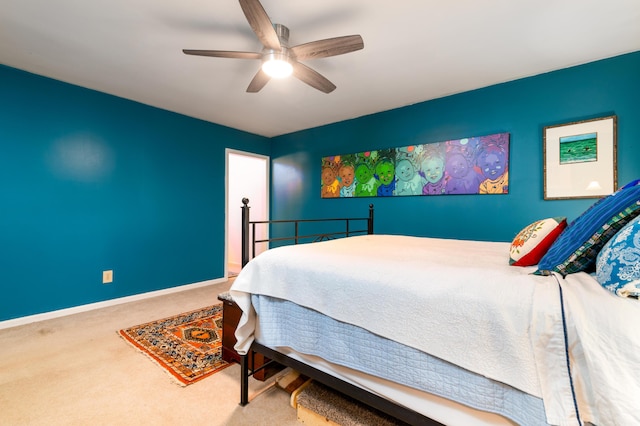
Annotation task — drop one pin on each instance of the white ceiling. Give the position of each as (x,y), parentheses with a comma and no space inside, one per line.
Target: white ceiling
(415,50)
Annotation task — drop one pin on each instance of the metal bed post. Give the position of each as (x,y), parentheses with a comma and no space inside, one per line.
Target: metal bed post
(245,231)
(244,380)
(370,220)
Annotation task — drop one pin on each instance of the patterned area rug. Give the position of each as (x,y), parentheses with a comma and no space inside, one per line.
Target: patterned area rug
(188,346)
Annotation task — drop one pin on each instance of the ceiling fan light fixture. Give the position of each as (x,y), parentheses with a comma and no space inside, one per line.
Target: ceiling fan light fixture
(277,65)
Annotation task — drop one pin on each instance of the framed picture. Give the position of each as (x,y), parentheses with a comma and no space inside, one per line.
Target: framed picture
(473,165)
(580,159)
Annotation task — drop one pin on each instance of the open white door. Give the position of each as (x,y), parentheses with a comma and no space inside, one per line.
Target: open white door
(247,177)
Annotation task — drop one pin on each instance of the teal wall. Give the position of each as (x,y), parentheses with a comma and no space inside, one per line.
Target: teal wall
(93,182)
(521,108)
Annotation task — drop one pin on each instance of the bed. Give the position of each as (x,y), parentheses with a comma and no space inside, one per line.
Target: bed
(437,331)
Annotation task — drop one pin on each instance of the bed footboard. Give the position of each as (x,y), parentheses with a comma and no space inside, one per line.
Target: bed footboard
(249,240)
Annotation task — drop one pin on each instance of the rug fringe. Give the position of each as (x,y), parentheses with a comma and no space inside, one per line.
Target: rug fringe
(138,349)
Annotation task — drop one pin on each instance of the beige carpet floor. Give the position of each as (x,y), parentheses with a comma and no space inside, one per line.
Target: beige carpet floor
(76,370)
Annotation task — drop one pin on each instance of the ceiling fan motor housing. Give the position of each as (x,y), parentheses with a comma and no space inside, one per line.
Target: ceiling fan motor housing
(277,63)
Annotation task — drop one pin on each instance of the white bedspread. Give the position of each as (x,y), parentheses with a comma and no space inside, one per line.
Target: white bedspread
(457,300)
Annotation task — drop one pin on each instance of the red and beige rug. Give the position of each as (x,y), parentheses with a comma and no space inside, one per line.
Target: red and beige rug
(188,346)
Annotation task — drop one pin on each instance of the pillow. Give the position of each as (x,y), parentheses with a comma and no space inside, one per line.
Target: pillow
(632,183)
(577,247)
(528,247)
(618,264)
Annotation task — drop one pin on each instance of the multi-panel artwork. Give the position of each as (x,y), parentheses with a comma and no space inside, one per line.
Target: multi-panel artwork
(477,165)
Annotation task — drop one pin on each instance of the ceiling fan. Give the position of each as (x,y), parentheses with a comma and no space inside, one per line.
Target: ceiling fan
(278,59)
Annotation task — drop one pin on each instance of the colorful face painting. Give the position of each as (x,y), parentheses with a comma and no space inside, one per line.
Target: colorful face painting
(477,165)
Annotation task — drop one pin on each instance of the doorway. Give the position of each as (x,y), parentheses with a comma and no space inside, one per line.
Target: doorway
(247,177)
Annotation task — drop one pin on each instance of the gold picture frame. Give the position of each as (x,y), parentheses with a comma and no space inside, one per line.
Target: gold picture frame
(580,159)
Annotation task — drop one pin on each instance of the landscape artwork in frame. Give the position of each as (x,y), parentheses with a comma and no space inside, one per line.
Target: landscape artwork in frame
(475,165)
(580,159)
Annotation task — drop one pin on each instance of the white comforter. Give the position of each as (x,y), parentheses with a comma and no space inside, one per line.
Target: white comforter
(457,300)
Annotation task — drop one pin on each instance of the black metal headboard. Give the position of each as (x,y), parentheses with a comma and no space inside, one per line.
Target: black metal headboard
(249,230)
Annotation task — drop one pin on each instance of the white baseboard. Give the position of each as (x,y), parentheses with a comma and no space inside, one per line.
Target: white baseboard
(98,305)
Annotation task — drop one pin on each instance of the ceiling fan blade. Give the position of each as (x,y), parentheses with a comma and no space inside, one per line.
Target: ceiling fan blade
(312,78)
(223,54)
(328,47)
(260,23)
(259,81)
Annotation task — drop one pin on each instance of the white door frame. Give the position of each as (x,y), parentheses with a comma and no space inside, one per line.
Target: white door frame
(236,204)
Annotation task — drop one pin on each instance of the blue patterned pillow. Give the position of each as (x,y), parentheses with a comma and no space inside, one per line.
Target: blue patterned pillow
(578,246)
(618,264)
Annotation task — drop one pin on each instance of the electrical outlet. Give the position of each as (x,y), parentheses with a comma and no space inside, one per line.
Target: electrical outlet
(107,277)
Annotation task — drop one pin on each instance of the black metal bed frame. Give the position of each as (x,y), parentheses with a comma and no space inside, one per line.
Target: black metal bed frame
(249,230)
(249,242)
